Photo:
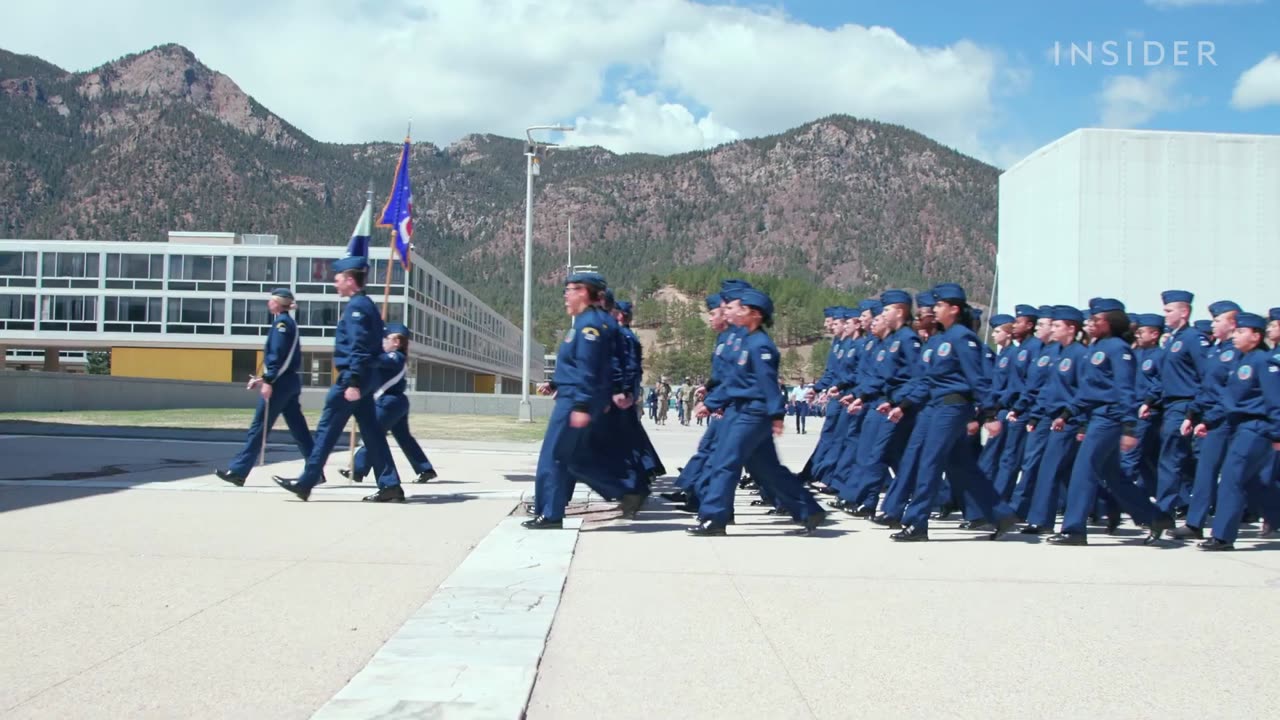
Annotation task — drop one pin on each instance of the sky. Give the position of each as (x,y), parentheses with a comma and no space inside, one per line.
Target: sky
(994,79)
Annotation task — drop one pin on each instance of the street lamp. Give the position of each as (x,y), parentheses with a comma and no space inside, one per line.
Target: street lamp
(532,153)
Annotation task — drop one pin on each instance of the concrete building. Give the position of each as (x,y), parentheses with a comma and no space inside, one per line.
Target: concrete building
(1130,213)
(194,308)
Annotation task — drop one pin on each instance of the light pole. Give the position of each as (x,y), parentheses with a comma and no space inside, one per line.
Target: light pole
(531,169)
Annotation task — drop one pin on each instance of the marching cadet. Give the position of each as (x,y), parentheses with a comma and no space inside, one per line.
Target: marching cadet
(754,412)
(1003,386)
(1105,400)
(636,452)
(689,473)
(1028,347)
(582,386)
(1141,464)
(1205,419)
(1251,402)
(392,407)
(1181,364)
(279,388)
(845,365)
(356,347)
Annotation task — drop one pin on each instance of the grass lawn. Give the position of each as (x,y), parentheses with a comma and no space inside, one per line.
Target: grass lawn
(425,427)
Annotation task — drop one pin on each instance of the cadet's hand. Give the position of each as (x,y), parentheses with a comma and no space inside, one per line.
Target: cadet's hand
(895,415)
(701,411)
(810,395)
(1079,437)
(777,428)
(544,388)
(856,406)
(971,428)
(994,428)
(1128,443)
(1144,412)
(833,392)
(1011,416)
(1058,425)
(579,419)
(847,400)
(700,393)
(1275,446)
(265,391)
(1185,428)
(1202,430)
(623,400)
(254,382)
(884,408)
(352,394)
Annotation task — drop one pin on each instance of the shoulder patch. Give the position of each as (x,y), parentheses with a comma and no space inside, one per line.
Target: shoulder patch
(1022,356)
(1227,356)
(356,313)
(590,334)
(1004,361)
(1245,372)
(1098,357)
(944,349)
(928,354)
(973,344)
(1176,346)
(281,326)
(1065,364)
(766,355)
(894,347)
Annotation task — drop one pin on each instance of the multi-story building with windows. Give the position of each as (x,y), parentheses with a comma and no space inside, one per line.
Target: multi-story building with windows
(195,308)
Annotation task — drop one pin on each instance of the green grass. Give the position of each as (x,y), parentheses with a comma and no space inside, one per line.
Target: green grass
(426,427)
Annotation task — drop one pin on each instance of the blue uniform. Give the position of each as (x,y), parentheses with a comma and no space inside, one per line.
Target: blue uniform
(1003,387)
(1208,408)
(1251,406)
(692,477)
(281,360)
(1060,446)
(1141,464)
(392,407)
(582,383)
(1105,396)
(356,347)
(892,364)
(1182,364)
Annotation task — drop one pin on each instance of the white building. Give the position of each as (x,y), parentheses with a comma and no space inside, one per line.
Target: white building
(194,308)
(1130,213)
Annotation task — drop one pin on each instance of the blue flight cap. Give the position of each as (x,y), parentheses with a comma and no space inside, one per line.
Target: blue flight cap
(850,313)
(731,294)
(1105,305)
(588,278)
(608,297)
(351,262)
(925,299)
(1154,320)
(1046,311)
(714,301)
(282,293)
(1066,313)
(1274,313)
(1204,326)
(895,297)
(752,297)
(1222,306)
(623,306)
(950,293)
(1173,296)
(733,284)
(875,307)
(1030,311)
(829,311)
(1251,321)
(1001,319)
(395,328)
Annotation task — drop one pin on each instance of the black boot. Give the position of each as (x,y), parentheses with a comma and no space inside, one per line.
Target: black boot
(541,523)
(426,476)
(707,528)
(910,534)
(292,486)
(228,476)
(395,494)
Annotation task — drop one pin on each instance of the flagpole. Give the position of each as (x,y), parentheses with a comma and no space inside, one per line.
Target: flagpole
(386,285)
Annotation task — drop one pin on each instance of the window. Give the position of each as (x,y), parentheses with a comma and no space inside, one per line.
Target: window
(135,266)
(197,267)
(249,312)
(70,265)
(196,311)
(69,307)
(132,309)
(317,313)
(378,274)
(18,264)
(17,307)
(314,270)
(262,269)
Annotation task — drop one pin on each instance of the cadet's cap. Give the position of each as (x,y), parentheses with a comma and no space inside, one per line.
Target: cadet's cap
(925,299)
(1001,319)
(1105,305)
(733,284)
(875,306)
(1030,311)
(829,311)
(282,293)
(1173,296)
(731,294)
(848,313)
(1066,313)
(395,328)
(1222,306)
(1251,321)
(950,293)
(608,297)
(1204,326)
(1046,311)
(1274,313)
(586,277)
(1154,320)
(714,301)
(895,297)
(351,262)
(977,315)
(623,306)
(752,297)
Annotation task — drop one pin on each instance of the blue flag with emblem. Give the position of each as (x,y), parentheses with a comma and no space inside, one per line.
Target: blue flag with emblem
(398,212)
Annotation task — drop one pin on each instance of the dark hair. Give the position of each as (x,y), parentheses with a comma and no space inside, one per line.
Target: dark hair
(594,294)
(357,275)
(1119,324)
(402,343)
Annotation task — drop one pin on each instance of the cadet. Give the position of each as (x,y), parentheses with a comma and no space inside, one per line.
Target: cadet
(582,386)
(1251,401)
(279,388)
(392,407)
(1141,464)
(356,348)
(1003,388)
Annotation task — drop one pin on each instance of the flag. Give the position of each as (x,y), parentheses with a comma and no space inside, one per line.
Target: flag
(359,244)
(398,213)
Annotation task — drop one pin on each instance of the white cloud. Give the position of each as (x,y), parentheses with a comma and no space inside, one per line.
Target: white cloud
(353,70)
(1166,4)
(1258,86)
(1129,100)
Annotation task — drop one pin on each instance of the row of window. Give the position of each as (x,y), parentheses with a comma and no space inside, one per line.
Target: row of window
(151,266)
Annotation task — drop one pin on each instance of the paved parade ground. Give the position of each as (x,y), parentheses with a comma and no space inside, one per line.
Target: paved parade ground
(136,584)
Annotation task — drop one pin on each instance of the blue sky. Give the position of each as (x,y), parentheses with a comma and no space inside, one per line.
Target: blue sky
(669,76)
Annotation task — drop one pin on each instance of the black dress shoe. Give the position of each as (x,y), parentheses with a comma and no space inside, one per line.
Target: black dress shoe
(1186,532)
(1216,545)
(837,504)
(1069,539)
(395,493)
(885,521)
(631,504)
(775,511)
(862,511)
(426,476)
(346,473)
(707,528)
(688,507)
(944,512)
(1035,530)
(811,523)
(976,525)
(1003,526)
(1113,524)
(1158,526)
(675,497)
(1266,530)
(233,478)
(910,534)
(292,486)
(542,523)
(758,502)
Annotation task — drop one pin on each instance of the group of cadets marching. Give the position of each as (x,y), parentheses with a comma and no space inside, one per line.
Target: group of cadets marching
(369,360)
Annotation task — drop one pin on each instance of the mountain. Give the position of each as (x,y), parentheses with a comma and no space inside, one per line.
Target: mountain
(156,141)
